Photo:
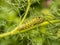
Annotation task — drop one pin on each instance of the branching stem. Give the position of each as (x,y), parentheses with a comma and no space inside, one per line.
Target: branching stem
(15,32)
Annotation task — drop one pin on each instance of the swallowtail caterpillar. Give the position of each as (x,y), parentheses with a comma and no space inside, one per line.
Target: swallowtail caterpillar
(30,23)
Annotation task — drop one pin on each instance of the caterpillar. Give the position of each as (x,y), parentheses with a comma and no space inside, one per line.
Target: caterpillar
(30,23)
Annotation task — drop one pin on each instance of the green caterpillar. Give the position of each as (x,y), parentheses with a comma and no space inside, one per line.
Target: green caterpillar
(30,23)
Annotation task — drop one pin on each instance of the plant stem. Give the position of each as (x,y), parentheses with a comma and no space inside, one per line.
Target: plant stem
(21,31)
(29,3)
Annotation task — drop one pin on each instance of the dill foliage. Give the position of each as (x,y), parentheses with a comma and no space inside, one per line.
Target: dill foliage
(16,16)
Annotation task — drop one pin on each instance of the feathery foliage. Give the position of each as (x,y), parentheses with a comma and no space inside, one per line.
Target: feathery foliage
(15,13)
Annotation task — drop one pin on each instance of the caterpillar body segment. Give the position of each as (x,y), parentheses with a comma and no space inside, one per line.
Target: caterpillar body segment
(30,23)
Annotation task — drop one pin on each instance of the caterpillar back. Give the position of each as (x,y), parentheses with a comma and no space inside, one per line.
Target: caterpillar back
(31,23)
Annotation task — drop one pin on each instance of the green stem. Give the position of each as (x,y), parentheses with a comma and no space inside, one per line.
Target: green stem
(21,31)
(29,3)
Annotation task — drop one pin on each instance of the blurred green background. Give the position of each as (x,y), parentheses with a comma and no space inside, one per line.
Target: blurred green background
(13,11)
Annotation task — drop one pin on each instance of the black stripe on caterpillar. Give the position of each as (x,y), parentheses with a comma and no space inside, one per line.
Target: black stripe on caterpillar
(30,23)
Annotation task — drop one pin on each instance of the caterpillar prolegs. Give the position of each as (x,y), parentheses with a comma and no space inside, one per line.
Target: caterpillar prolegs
(30,23)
